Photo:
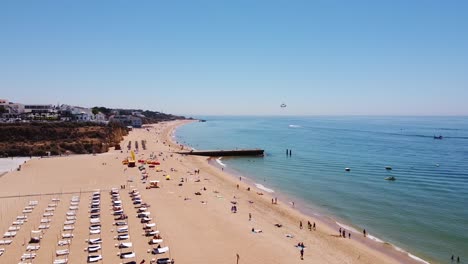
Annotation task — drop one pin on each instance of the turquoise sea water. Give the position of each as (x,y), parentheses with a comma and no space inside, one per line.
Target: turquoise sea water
(425,211)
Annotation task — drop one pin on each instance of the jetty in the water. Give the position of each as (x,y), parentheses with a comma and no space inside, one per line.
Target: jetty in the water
(223,153)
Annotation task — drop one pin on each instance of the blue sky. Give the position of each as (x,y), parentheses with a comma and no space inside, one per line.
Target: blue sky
(239,57)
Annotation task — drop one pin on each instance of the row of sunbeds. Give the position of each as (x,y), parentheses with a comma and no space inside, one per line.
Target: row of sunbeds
(94,241)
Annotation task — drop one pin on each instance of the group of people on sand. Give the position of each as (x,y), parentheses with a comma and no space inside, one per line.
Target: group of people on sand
(343,233)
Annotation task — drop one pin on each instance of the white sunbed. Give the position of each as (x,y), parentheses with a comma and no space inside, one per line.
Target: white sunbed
(127,255)
(13,228)
(95,232)
(48,214)
(71,217)
(94,258)
(29,207)
(21,217)
(18,222)
(64,242)
(68,228)
(73,207)
(26,211)
(50,209)
(52,205)
(71,213)
(151,233)
(160,250)
(44,227)
(94,248)
(95,220)
(94,241)
(61,261)
(164,261)
(33,247)
(62,252)
(155,241)
(2,250)
(67,235)
(45,220)
(55,199)
(33,203)
(123,237)
(149,225)
(26,256)
(69,222)
(74,203)
(5,242)
(9,234)
(124,245)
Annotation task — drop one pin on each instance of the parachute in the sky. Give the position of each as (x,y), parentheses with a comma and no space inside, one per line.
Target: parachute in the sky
(283,105)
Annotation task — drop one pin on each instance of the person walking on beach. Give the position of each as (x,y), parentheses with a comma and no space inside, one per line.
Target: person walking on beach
(250,216)
(300,224)
(339,231)
(344,233)
(302,253)
(458,259)
(364,232)
(309,226)
(314,226)
(237,255)
(349,235)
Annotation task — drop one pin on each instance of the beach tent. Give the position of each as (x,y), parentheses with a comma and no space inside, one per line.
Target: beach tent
(168,177)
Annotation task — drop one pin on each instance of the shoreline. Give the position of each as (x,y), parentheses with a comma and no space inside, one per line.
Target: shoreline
(372,243)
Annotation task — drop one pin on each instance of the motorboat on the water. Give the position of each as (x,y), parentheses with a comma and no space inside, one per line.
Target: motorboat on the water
(391,178)
(438,137)
(388,168)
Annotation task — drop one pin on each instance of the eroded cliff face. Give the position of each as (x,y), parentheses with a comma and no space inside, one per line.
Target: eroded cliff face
(37,139)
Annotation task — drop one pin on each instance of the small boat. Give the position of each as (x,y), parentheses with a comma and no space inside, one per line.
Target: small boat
(347,169)
(391,178)
(388,168)
(438,137)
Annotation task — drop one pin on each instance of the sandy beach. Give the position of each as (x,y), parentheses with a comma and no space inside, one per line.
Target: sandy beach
(196,228)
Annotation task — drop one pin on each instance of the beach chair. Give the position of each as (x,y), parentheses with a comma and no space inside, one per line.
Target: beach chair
(67,235)
(160,250)
(68,228)
(64,242)
(94,241)
(94,258)
(9,234)
(95,232)
(33,247)
(164,261)
(61,261)
(5,242)
(94,248)
(124,245)
(127,255)
(62,252)
(2,250)
(155,241)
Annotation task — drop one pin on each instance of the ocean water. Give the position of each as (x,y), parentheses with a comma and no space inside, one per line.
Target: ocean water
(425,211)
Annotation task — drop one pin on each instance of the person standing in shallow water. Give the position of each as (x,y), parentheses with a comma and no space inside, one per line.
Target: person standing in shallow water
(364,232)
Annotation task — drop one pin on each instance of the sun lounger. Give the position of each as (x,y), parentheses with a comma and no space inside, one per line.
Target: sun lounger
(124,245)
(9,234)
(69,222)
(61,261)
(48,214)
(5,242)
(143,214)
(2,250)
(123,237)
(64,242)
(149,233)
(95,232)
(50,209)
(127,255)
(21,217)
(55,199)
(94,248)
(95,221)
(71,217)
(71,213)
(164,261)
(149,225)
(18,222)
(120,223)
(74,203)
(94,241)
(26,211)
(43,226)
(13,228)
(122,228)
(67,235)
(155,241)
(33,247)
(160,250)
(73,207)
(146,220)
(45,220)
(94,258)
(68,228)
(33,203)
(62,252)
(26,256)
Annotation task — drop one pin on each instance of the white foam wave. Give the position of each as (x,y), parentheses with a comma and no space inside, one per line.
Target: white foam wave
(218,160)
(381,241)
(294,126)
(263,188)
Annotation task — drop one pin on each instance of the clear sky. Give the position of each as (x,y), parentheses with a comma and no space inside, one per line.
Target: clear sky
(239,56)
